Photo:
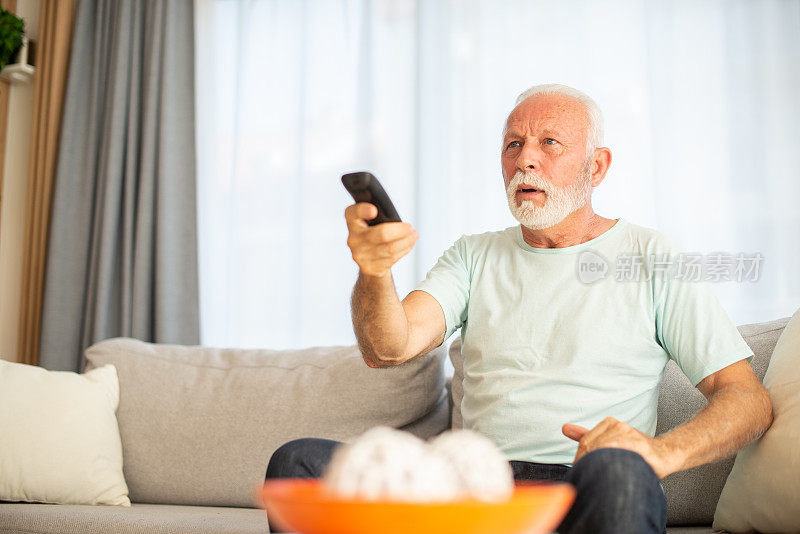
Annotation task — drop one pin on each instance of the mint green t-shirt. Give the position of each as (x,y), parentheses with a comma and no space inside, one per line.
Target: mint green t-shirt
(574,334)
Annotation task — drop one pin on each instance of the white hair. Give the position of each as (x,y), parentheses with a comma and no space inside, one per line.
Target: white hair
(594,137)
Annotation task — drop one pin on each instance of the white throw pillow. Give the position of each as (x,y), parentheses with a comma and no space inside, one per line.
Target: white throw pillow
(59,440)
(761,492)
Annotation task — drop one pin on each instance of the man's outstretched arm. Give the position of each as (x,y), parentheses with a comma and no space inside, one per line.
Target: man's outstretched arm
(738,411)
(389,332)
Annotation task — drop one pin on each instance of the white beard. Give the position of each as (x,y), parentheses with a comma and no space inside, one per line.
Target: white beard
(559,202)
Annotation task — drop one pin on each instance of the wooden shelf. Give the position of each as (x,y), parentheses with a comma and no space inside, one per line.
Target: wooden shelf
(21,71)
(17,73)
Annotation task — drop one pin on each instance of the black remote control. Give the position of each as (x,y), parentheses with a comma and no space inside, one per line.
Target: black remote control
(364,187)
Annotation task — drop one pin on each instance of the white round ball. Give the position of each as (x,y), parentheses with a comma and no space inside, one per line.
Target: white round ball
(388,464)
(483,470)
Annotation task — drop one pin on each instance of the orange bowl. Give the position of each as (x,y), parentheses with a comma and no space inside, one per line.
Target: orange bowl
(303,505)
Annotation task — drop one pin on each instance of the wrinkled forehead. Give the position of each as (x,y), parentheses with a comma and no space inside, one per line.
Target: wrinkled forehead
(553,112)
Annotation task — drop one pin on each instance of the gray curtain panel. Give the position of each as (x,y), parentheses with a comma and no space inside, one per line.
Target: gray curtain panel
(122,253)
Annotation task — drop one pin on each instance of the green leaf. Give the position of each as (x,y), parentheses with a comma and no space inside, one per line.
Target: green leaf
(12,28)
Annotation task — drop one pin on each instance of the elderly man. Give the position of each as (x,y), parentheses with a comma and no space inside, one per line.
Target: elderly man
(561,370)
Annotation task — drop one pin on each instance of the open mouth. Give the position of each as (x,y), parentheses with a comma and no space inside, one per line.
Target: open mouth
(529,190)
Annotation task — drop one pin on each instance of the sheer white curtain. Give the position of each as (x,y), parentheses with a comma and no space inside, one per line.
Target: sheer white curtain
(701,116)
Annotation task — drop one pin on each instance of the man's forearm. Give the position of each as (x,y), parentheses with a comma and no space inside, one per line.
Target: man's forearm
(379,320)
(734,417)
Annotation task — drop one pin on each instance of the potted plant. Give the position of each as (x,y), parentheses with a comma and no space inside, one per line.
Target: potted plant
(12,28)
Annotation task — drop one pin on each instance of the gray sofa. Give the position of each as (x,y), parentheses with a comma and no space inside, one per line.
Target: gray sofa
(198,426)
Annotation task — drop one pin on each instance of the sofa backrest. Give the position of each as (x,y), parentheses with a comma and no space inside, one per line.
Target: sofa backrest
(198,425)
(692,495)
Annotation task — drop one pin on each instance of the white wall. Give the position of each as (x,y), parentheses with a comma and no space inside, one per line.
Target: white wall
(12,208)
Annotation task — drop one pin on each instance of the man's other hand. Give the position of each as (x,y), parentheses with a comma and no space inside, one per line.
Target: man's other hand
(376,248)
(616,434)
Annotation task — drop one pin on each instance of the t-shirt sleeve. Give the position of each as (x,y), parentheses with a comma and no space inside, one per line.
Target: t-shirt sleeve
(448,282)
(695,330)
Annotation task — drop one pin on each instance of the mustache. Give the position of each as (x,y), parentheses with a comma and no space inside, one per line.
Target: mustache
(529,180)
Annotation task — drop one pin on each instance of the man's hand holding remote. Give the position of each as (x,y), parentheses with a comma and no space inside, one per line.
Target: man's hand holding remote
(376,248)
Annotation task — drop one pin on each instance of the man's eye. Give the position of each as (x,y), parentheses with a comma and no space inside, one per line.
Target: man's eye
(550,139)
(512,144)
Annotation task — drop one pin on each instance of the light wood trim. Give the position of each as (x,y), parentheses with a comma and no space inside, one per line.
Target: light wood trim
(56,19)
(10,5)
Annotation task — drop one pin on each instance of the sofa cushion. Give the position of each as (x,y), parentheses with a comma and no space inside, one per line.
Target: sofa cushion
(761,491)
(139,518)
(692,495)
(59,440)
(198,425)
(435,421)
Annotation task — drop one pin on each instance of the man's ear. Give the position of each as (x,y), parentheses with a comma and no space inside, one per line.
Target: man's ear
(601,161)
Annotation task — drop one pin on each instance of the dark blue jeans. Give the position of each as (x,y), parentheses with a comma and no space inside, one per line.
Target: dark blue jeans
(616,490)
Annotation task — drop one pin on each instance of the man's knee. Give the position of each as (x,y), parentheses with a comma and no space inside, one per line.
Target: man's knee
(618,491)
(615,465)
(618,468)
(301,458)
(285,457)
(618,477)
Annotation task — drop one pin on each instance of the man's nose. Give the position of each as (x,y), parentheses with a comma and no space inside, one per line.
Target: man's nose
(528,160)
